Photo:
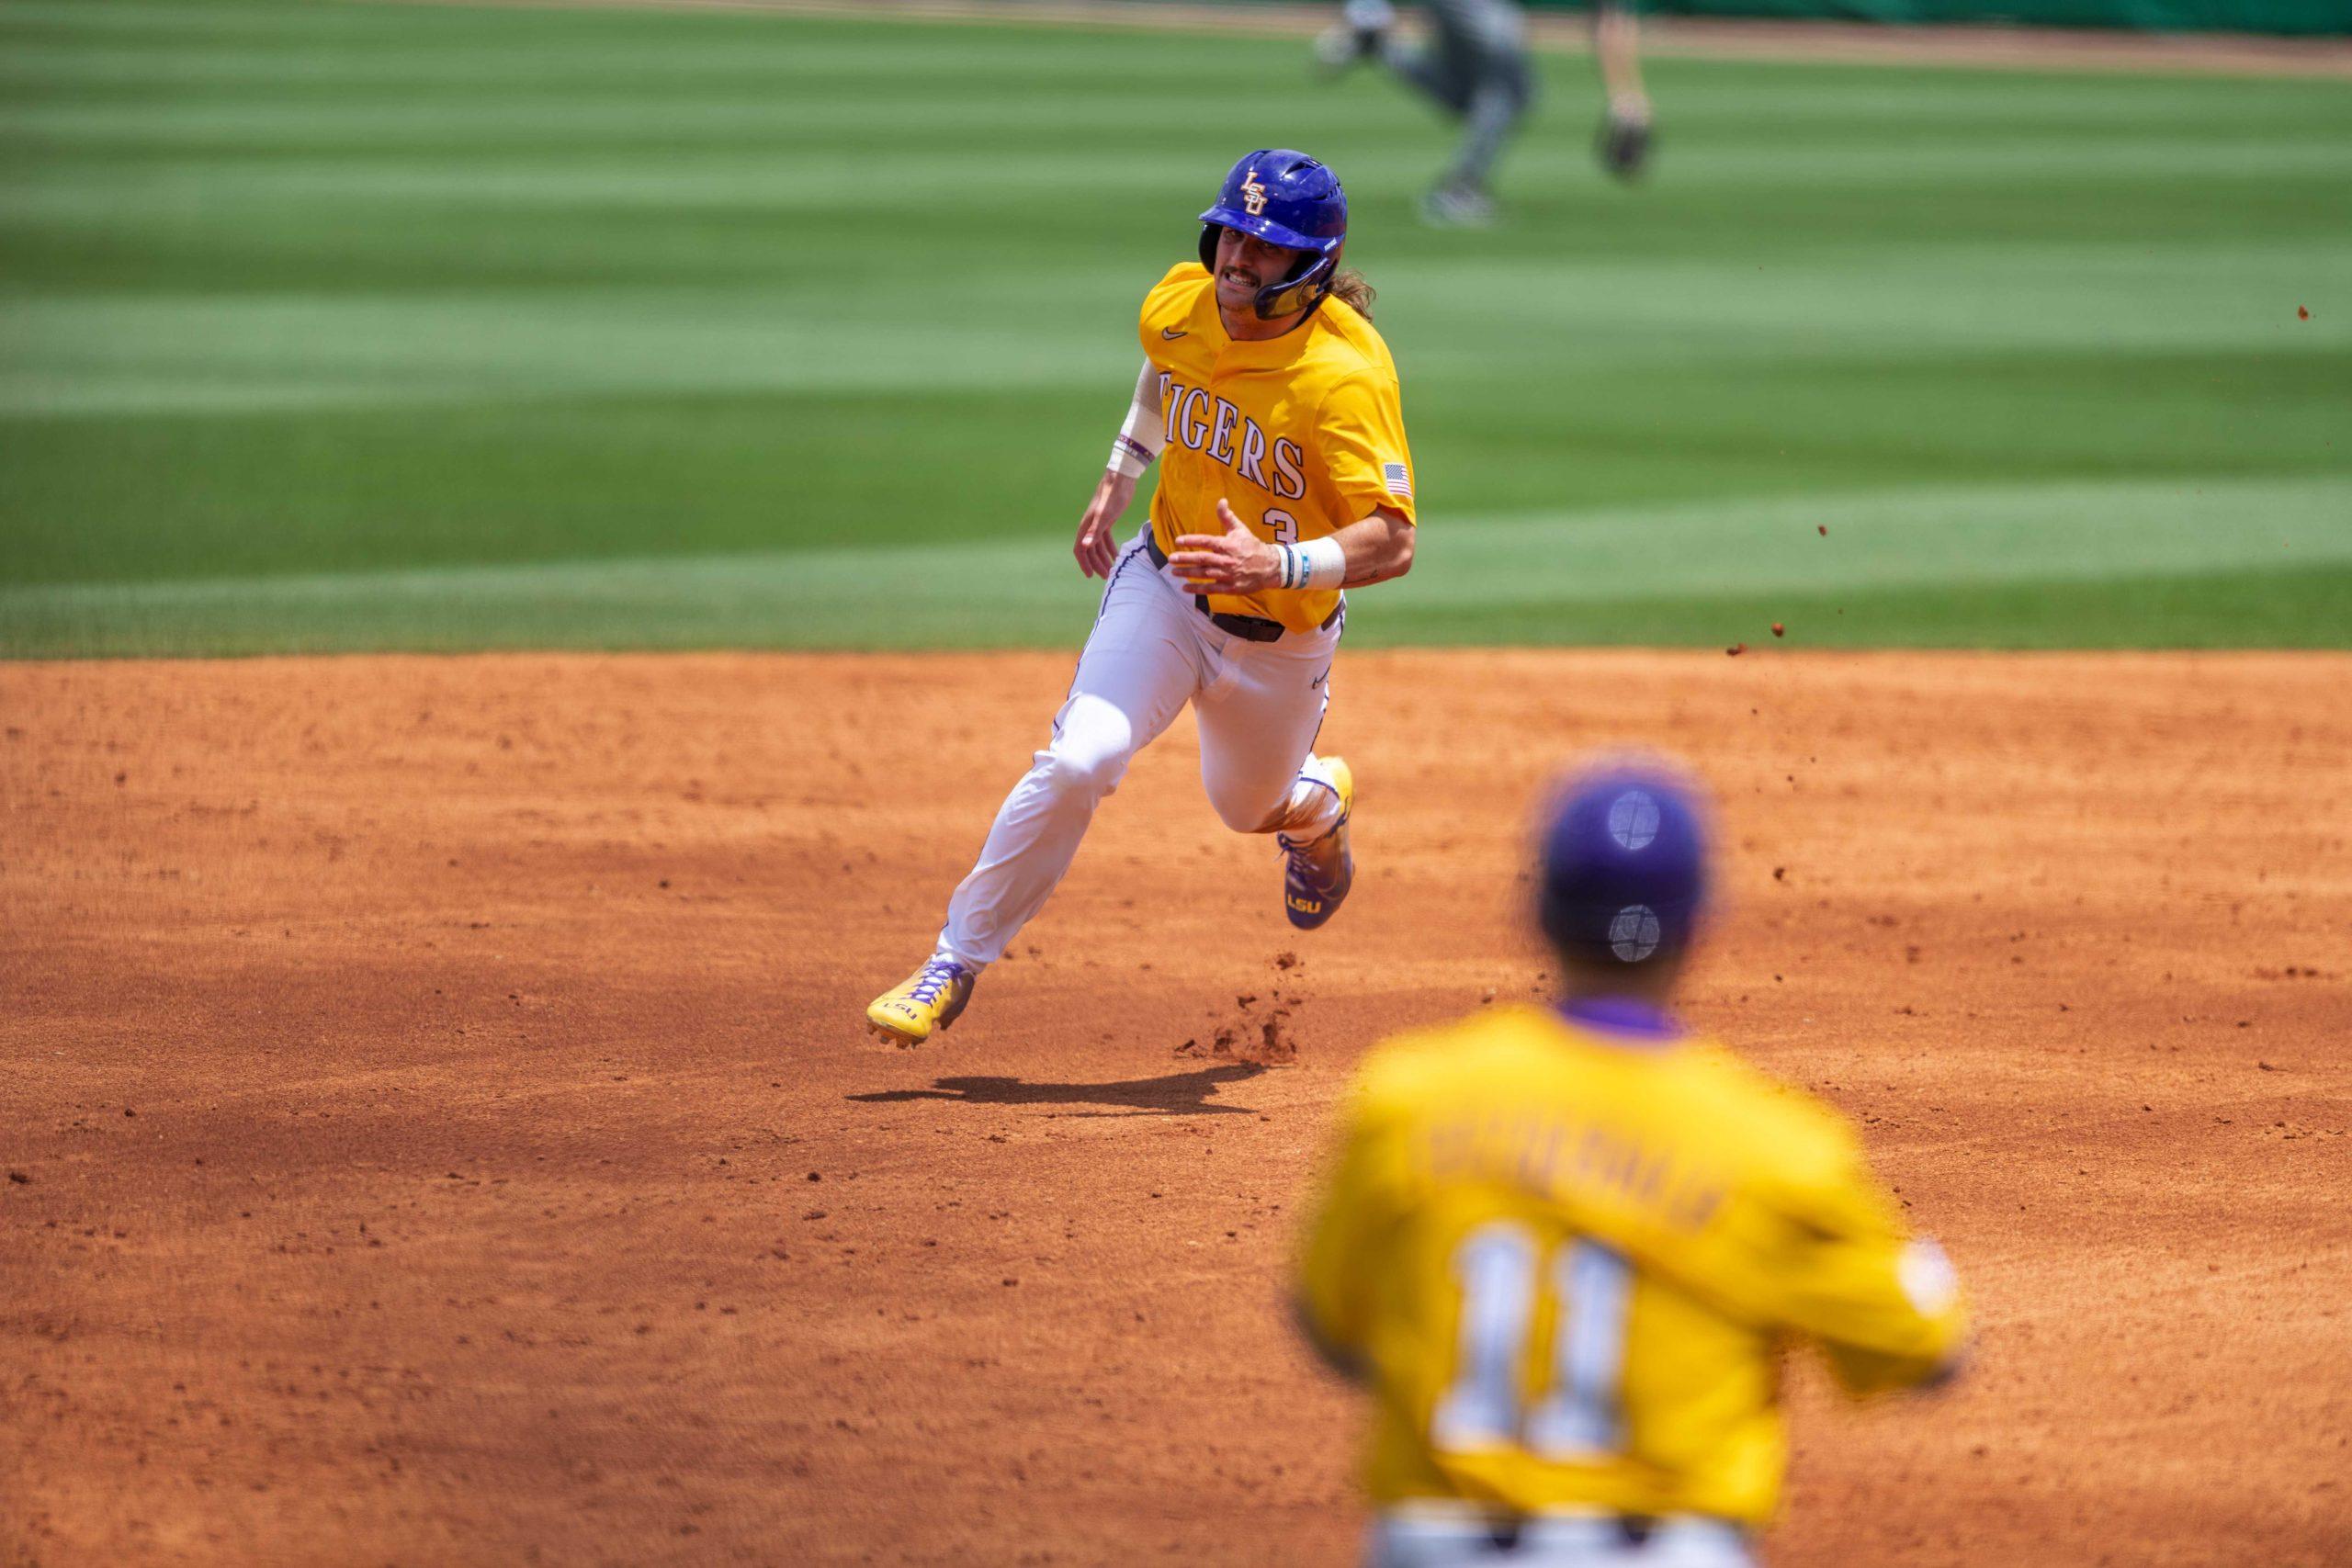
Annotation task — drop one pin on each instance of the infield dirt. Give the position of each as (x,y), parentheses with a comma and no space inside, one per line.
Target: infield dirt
(438,1128)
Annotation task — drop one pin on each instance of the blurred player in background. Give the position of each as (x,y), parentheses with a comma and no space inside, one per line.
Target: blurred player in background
(1475,66)
(1564,1245)
(1285,480)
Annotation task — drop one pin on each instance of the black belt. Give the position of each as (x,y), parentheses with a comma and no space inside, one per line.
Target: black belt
(1250,629)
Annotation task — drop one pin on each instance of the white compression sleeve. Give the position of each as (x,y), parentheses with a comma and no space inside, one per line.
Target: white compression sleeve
(1140,439)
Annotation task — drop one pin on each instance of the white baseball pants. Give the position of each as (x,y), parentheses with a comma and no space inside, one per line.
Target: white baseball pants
(1259,705)
(1407,1537)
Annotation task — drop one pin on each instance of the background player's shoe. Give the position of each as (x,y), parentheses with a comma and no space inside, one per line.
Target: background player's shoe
(1457,204)
(1625,142)
(1361,36)
(929,1000)
(1316,874)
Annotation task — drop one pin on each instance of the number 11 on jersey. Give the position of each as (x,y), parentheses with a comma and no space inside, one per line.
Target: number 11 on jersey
(1500,1269)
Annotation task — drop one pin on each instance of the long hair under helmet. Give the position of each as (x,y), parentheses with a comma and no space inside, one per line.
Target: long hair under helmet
(1286,198)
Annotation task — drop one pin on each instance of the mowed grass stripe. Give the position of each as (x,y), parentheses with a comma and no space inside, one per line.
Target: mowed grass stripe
(343,295)
(1718,560)
(89,354)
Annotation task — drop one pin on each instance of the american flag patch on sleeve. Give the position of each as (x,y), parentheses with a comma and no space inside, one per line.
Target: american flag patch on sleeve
(1399,482)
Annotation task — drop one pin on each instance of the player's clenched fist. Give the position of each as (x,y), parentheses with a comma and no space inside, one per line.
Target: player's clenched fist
(1236,561)
(1096,548)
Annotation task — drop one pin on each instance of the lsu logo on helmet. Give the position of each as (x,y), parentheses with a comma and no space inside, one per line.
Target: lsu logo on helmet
(1253,194)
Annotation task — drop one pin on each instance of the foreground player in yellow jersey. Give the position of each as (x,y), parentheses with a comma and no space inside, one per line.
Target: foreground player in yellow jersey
(1566,1245)
(1271,406)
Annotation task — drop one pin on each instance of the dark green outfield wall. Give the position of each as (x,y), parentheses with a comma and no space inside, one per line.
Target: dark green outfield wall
(2303,16)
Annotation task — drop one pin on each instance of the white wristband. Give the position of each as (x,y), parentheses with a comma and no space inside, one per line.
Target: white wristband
(1319,563)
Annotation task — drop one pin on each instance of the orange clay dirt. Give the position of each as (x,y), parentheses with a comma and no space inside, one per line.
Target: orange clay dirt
(438,1126)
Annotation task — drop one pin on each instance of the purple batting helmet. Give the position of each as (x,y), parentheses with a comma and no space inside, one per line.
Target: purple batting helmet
(1286,198)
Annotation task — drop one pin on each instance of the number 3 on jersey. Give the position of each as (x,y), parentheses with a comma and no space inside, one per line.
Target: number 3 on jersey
(1577,1417)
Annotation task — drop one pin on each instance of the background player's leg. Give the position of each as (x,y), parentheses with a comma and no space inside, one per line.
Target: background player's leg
(1141,663)
(1625,123)
(1492,46)
(1496,109)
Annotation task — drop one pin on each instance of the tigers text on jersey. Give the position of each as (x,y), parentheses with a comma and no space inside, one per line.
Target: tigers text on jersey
(1566,1260)
(1303,434)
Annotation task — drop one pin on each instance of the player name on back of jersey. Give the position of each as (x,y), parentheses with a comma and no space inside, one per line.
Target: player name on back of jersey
(1556,1157)
(1207,423)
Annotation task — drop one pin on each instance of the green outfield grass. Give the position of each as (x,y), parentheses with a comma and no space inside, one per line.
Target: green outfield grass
(329,326)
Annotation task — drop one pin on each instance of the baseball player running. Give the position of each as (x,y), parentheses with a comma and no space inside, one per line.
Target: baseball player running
(1476,68)
(1284,480)
(1564,1244)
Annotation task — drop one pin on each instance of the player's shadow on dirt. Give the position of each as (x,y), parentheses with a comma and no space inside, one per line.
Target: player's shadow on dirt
(1178,1094)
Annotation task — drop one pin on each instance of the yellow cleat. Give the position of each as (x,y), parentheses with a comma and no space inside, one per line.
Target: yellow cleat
(929,1000)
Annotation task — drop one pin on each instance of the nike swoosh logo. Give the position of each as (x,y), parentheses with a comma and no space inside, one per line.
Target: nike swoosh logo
(1172,333)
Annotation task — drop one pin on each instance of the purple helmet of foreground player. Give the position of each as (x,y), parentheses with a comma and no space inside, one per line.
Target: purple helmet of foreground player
(1286,198)
(1625,873)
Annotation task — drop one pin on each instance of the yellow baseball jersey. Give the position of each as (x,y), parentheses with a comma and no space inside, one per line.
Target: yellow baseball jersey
(1566,1264)
(1303,434)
